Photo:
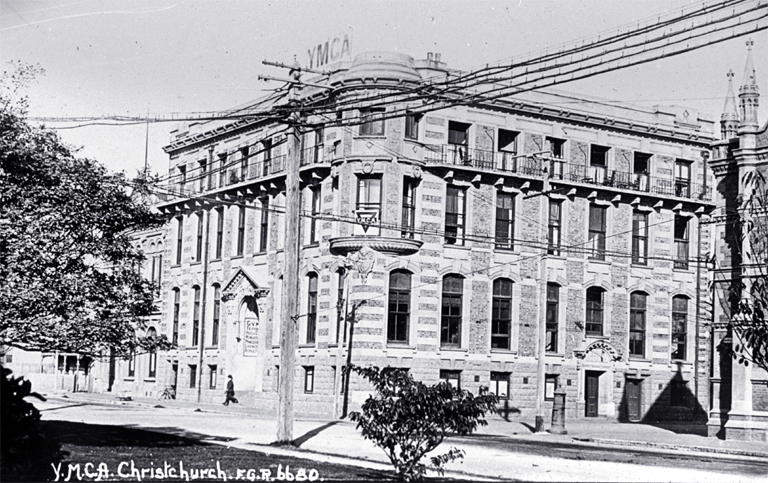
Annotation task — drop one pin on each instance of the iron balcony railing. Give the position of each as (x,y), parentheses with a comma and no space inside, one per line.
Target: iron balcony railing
(510,162)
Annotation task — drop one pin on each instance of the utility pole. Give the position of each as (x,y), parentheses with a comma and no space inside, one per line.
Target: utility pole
(204,293)
(288,342)
(542,327)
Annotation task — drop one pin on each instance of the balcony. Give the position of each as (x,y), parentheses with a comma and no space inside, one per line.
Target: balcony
(509,162)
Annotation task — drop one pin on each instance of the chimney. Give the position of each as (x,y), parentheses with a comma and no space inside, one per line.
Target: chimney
(429,56)
(437,57)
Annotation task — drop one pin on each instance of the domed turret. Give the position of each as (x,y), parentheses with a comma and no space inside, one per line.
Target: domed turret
(383,66)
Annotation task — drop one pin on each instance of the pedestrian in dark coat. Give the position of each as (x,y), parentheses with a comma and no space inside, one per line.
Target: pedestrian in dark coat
(230,392)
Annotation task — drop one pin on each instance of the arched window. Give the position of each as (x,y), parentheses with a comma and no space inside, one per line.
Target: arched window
(450,316)
(399,306)
(196,316)
(216,314)
(595,311)
(176,308)
(501,314)
(311,307)
(679,327)
(637,323)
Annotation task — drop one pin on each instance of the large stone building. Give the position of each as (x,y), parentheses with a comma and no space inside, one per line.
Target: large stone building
(739,391)
(459,256)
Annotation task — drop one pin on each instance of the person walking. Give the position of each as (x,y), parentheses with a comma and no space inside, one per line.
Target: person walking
(230,392)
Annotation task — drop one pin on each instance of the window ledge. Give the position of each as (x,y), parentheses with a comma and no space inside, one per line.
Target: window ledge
(129,378)
(503,351)
(452,349)
(460,247)
(369,136)
(307,346)
(639,359)
(313,244)
(554,354)
(597,337)
(236,257)
(641,265)
(600,261)
(150,379)
(396,345)
(196,262)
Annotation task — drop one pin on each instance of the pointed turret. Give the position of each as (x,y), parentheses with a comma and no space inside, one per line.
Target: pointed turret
(749,95)
(729,119)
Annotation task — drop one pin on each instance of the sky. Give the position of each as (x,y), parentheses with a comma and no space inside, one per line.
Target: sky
(174,56)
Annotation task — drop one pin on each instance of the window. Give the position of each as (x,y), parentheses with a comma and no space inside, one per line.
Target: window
(637,316)
(500,384)
(553,312)
(450,317)
(341,280)
(222,170)
(240,230)
(309,379)
(507,147)
(244,155)
(555,226)
(196,316)
(409,208)
(597,231)
(343,382)
(371,126)
(501,314)
(598,163)
(203,173)
(369,193)
(639,237)
(455,212)
(157,271)
(641,168)
(505,220)
(399,307)
(595,311)
(199,250)
(219,231)
(550,384)
(679,327)
(678,394)
(182,178)
(314,212)
(179,237)
(152,370)
(555,146)
(453,378)
(681,242)
(319,140)
(264,225)
(412,126)
(216,314)
(212,369)
(176,308)
(458,133)
(311,307)
(192,376)
(682,178)
(267,165)
(132,365)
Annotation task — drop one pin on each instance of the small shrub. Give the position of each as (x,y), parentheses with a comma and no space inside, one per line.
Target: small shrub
(408,419)
(26,452)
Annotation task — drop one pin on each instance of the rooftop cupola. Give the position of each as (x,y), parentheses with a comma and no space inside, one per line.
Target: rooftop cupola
(749,95)
(729,119)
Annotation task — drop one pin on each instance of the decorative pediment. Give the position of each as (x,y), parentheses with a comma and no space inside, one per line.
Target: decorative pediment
(243,283)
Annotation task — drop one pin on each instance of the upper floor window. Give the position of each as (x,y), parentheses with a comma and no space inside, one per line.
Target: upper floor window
(318,151)
(682,178)
(152,369)
(409,208)
(455,213)
(244,155)
(450,315)
(176,310)
(598,163)
(458,133)
(223,170)
(266,167)
(637,323)
(200,226)
(399,306)
(179,237)
(203,173)
(264,225)
(216,314)
(595,311)
(641,167)
(196,316)
(555,146)
(369,193)
(639,237)
(679,327)
(412,126)
(372,126)
(501,314)
(597,231)
(182,177)
(554,228)
(505,220)
(311,307)
(681,242)
(240,231)
(507,142)
(314,212)
(553,316)
(219,231)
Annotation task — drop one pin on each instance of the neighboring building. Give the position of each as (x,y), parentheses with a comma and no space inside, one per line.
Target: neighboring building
(447,210)
(739,392)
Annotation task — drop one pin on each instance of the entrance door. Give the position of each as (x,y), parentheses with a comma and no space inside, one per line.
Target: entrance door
(633,390)
(591,393)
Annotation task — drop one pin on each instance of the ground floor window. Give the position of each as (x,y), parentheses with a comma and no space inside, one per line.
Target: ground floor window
(212,376)
(309,379)
(451,377)
(192,376)
(550,384)
(500,384)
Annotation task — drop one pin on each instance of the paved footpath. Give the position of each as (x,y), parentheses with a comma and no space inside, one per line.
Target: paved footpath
(493,452)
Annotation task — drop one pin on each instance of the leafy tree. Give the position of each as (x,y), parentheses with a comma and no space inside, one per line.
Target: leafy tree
(746,297)
(69,274)
(408,419)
